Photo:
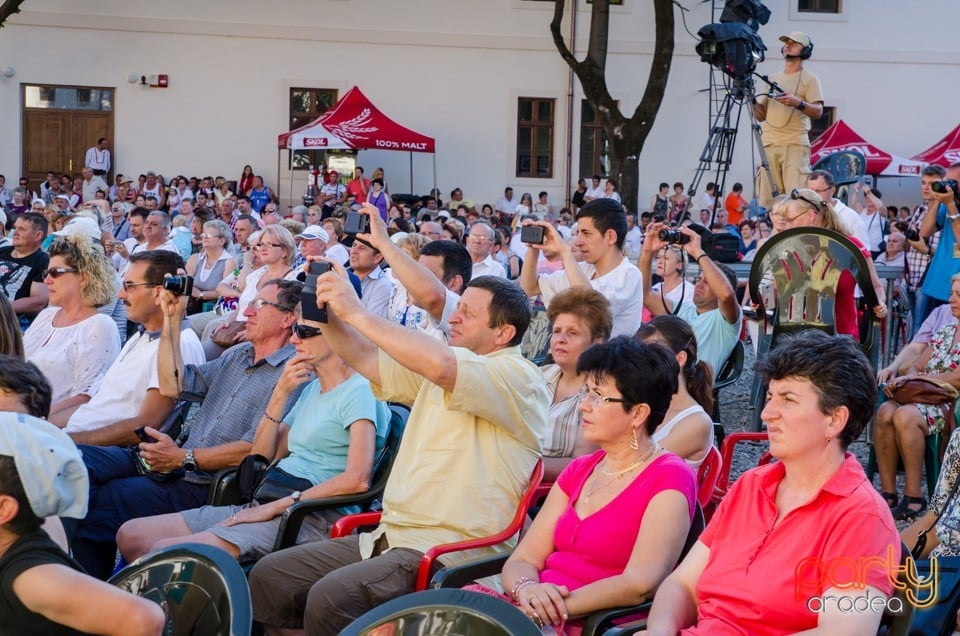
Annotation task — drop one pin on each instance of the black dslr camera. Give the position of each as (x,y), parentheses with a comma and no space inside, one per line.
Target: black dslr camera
(179,285)
(673,237)
(908,232)
(940,187)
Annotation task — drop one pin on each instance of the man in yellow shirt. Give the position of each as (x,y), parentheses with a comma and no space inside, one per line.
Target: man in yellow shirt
(474,434)
(787,117)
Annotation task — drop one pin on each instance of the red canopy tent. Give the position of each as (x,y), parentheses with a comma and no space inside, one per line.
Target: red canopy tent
(840,137)
(354,122)
(945,152)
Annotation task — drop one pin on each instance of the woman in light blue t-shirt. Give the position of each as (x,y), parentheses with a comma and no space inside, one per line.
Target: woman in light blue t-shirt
(329,438)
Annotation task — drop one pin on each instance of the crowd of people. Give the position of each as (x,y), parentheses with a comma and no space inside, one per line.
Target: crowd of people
(285,333)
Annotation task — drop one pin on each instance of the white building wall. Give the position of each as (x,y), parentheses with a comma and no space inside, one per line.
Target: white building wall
(450,69)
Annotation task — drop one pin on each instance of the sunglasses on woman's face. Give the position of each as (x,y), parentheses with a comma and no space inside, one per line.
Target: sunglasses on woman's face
(57,272)
(304,331)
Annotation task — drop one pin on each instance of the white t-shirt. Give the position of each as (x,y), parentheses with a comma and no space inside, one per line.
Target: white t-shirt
(622,286)
(682,293)
(338,253)
(850,222)
(488,267)
(250,290)
(633,243)
(128,379)
(74,358)
(594,193)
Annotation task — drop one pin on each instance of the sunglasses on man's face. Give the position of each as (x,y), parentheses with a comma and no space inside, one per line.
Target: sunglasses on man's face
(304,331)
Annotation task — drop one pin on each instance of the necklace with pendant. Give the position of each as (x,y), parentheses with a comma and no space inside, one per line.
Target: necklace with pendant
(617,475)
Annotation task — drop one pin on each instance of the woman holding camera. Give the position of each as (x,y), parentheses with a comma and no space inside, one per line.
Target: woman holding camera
(671,266)
(70,341)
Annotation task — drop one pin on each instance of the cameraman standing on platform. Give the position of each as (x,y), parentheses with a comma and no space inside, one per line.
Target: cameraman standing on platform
(786,119)
(943,215)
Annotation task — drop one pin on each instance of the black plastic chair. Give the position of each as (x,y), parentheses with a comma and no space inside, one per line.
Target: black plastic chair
(729,373)
(596,623)
(224,490)
(805,265)
(443,613)
(201,589)
(846,167)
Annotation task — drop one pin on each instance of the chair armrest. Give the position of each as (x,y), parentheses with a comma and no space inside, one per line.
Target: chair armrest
(347,524)
(600,622)
(223,489)
(467,573)
(626,629)
(292,519)
(431,555)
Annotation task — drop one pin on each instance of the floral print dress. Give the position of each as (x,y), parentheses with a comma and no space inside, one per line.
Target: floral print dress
(945,358)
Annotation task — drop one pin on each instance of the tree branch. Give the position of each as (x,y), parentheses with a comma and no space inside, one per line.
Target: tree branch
(649,105)
(558,41)
(7,9)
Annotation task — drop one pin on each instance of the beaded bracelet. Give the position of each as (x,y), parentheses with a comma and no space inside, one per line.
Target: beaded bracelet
(521,583)
(272,419)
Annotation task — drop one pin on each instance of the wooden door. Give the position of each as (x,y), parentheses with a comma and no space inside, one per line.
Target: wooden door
(59,124)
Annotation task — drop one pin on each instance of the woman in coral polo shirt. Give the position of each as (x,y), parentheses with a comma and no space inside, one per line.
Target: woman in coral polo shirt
(805,543)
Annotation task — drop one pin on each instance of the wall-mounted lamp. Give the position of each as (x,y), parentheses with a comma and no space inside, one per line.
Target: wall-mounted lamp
(137,78)
(8,72)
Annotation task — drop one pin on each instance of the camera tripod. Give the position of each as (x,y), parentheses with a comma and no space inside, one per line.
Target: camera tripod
(717,154)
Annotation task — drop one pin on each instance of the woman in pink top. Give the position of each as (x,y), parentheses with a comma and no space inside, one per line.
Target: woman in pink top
(591,545)
(795,545)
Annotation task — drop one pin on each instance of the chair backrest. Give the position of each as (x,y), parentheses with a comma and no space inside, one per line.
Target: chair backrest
(202,589)
(384,463)
(535,345)
(731,369)
(846,167)
(898,624)
(805,265)
(443,611)
(708,475)
(697,524)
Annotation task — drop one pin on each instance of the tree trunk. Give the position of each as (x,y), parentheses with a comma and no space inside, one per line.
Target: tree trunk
(8,8)
(626,136)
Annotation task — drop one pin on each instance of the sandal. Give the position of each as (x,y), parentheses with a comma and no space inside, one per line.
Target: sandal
(891,498)
(905,511)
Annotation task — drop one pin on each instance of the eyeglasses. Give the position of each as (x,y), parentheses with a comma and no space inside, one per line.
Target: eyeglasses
(57,272)
(796,196)
(209,235)
(258,303)
(304,331)
(478,237)
(827,189)
(127,285)
(269,210)
(594,399)
(261,245)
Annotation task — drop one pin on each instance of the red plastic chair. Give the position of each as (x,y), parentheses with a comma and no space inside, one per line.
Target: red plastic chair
(726,452)
(346,525)
(708,475)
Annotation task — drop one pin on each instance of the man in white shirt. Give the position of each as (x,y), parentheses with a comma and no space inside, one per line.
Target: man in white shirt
(365,263)
(91,183)
(479,244)
(821,182)
(595,191)
(634,241)
(506,205)
(601,231)
(129,396)
(98,158)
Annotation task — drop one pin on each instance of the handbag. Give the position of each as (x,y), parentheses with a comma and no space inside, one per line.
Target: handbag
(917,389)
(940,618)
(277,484)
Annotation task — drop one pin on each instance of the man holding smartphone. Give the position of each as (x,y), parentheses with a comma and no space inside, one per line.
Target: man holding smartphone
(601,232)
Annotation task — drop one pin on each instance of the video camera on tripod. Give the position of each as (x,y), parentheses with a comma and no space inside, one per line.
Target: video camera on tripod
(733,44)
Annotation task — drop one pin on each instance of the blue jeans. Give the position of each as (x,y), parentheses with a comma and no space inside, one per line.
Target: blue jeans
(119,493)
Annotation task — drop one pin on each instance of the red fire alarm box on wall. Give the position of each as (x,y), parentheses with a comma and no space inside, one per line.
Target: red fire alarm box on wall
(162,80)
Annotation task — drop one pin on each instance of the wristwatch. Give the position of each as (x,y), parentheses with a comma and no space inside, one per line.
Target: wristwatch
(295,495)
(189,462)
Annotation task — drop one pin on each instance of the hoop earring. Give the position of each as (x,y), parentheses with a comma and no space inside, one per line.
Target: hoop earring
(635,443)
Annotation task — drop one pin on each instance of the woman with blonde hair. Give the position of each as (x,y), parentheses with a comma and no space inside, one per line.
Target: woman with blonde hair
(70,341)
(11,341)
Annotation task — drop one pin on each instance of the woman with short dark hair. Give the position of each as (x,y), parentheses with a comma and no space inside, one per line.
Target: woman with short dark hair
(771,559)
